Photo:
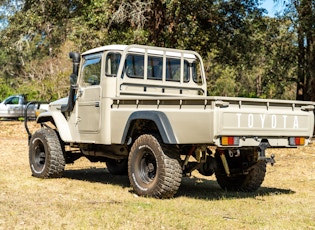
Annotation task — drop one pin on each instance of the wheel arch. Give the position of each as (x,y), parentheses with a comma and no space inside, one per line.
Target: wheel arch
(159,119)
(59,121)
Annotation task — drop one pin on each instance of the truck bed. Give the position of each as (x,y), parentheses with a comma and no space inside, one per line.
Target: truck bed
(207,119)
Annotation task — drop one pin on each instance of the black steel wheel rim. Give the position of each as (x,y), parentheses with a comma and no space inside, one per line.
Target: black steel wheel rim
(147,167)
(39,156)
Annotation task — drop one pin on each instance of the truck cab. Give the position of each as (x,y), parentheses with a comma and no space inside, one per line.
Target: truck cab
(119,71)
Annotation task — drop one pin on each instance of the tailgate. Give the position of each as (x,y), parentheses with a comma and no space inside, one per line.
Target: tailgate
(257,119)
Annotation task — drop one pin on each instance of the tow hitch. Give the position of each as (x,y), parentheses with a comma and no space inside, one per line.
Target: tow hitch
(262,155)
(271,160)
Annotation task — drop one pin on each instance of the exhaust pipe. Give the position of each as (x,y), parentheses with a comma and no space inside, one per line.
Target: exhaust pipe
(73,82)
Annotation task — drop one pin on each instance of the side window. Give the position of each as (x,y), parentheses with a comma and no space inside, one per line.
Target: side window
(173,70)
(15,101)
(134,66)
(155,68)
(91,73)
(12,101)
(112,64)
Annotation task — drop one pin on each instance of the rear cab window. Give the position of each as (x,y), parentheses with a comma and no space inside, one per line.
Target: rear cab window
(134,66)
(173,70)
(156,68)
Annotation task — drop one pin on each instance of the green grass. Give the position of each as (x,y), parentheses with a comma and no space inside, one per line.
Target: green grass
(88,197)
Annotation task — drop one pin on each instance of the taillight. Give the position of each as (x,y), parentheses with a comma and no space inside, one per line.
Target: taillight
(230,140)
(296,141)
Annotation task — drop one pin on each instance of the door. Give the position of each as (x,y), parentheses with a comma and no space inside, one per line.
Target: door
(89,95)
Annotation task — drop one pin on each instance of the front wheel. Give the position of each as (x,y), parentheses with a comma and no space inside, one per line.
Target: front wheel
(46,156)
(153,169)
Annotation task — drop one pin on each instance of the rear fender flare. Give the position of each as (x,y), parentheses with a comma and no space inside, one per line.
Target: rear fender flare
(161,121)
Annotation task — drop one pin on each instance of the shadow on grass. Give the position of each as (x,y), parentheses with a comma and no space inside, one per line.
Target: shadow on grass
(192,187)
(209,189)
(97,175)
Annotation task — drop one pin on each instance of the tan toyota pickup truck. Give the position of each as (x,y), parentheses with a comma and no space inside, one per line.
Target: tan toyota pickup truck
(145,112)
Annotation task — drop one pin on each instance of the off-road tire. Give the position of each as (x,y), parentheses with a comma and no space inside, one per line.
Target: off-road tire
(117,167)
(153,169)
(46,156)
(249,182)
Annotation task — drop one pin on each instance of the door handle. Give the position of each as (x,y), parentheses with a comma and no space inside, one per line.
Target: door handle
(97,104)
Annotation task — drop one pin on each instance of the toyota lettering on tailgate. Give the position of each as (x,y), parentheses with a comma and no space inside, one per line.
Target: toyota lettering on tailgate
(267,121)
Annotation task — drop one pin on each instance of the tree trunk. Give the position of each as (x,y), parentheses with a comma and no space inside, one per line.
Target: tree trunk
(301,60)
(157,22)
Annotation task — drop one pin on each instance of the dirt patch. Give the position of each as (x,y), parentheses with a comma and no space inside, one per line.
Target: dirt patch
(15,129)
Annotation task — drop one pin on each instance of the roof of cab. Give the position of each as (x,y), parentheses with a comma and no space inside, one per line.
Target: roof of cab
(103,48)
(140,49)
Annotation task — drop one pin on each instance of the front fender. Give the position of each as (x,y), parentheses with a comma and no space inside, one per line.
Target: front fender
(59,121)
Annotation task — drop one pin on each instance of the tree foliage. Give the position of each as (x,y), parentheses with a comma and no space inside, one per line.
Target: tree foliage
(245,53)
(304,11)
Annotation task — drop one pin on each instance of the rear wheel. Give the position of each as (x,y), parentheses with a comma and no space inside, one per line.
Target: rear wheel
(153,169)
(46,156)
(245,176)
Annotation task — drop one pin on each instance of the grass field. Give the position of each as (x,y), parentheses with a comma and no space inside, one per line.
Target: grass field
(88,197)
